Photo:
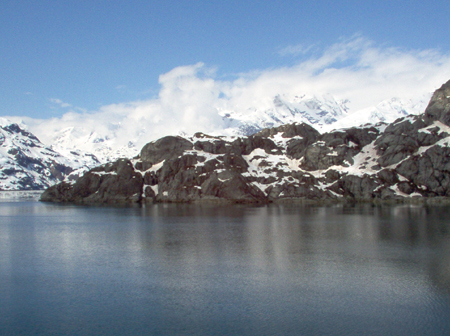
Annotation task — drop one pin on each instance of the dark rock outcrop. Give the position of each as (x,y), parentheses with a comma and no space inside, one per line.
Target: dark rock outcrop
(337,148)
(164,148)
(408,159)
(116,182)
(438,108)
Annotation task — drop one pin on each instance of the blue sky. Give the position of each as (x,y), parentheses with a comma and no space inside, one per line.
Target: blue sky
(80,56)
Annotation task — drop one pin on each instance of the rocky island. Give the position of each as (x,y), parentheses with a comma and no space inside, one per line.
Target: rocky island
(408,159)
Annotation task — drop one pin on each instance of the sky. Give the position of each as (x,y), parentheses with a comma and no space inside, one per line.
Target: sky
(70,60)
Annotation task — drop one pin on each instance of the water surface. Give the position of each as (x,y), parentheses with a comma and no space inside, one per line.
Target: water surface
(205,270)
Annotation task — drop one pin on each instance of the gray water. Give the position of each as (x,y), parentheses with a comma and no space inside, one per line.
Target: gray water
(230,270)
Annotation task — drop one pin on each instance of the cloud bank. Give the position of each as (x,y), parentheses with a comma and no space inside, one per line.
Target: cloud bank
(191,98)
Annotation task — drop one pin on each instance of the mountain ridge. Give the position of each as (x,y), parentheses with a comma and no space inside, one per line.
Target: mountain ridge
(27,164)
(84,147)
(406,159)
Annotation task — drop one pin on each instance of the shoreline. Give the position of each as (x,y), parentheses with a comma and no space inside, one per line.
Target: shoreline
(20,194)
(438,200)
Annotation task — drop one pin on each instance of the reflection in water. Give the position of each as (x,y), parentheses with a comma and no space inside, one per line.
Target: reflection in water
(203,269)
(271,233)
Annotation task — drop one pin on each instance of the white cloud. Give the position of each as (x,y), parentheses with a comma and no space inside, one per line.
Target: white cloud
(59,102)
(295,50)
(191,97)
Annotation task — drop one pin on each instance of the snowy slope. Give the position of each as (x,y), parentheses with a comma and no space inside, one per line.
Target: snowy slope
(27,164)
(311,109)
(104,146)
(386,111)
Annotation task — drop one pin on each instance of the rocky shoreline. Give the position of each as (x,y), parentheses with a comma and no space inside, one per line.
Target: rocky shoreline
(406,161)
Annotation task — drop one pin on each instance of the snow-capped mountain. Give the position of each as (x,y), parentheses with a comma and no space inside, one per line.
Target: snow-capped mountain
(407,160)
(386,111)
(323,112)
(28,164)
(117,139)
(315,110)
(105,147)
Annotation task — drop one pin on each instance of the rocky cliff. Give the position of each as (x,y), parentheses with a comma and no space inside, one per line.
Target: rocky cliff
(407,159)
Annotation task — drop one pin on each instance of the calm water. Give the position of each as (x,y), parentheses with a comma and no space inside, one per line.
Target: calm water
(236,270)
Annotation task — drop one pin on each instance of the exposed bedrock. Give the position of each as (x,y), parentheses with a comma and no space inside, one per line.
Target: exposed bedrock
(406,160)
(116,182)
